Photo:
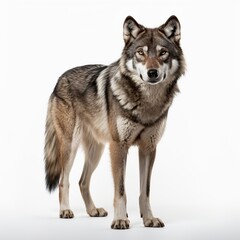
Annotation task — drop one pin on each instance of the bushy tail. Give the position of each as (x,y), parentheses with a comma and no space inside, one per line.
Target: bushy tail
(51,153)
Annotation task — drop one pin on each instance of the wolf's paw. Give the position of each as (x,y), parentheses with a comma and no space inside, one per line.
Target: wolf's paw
(67,213)
(153,222)
(98,212)
(120,224)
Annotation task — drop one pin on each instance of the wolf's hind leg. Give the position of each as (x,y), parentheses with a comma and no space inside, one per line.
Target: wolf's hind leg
(93,152)
(65,126)
(65,211)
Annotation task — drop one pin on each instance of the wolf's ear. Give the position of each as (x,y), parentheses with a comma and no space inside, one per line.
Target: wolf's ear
(172,29)
(131,29)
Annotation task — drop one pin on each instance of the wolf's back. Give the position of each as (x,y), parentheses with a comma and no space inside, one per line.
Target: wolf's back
(51,152)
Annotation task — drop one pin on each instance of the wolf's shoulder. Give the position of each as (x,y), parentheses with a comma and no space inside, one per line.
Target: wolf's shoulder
(78,79)
(77,73)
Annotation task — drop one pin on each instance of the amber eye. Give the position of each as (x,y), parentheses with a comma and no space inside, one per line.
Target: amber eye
(140,52)
(163,52)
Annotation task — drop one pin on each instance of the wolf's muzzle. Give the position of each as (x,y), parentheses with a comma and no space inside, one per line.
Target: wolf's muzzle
(153,74)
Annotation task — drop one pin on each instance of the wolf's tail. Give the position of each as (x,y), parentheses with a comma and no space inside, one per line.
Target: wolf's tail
(51,152)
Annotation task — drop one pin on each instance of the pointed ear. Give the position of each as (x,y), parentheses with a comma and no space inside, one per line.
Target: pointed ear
(172,29)
(131,29)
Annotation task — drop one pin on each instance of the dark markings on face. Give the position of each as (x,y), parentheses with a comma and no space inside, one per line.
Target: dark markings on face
(152,38)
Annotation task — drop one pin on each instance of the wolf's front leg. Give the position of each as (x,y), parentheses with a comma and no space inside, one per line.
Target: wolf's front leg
(146,160)
(118,158)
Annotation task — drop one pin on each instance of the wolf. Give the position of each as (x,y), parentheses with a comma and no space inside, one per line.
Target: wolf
(123,104)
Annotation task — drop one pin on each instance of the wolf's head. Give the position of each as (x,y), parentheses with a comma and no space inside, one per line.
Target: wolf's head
(152,55)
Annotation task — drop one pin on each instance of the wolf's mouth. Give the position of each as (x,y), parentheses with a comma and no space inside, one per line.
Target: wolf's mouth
(154,80)
(164,76)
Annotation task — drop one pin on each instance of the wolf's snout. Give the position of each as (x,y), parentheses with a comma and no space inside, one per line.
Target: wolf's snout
(153,73)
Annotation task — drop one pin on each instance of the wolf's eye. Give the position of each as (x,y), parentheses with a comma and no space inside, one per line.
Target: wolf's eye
(163,52)
(140,52)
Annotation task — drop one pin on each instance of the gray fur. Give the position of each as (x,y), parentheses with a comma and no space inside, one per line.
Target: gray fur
(123,104)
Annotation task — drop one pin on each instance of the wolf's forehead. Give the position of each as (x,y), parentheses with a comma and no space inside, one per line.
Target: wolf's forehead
(153,42)
(145,48)
(154,48)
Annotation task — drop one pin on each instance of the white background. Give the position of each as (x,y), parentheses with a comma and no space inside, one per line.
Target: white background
(195,182)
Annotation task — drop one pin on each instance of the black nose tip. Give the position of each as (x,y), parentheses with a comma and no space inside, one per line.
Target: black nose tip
(152,73)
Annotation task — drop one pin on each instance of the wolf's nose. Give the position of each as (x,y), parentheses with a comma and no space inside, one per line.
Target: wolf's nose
(152,73)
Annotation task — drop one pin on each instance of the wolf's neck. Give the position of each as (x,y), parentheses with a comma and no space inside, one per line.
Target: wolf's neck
(132,96)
